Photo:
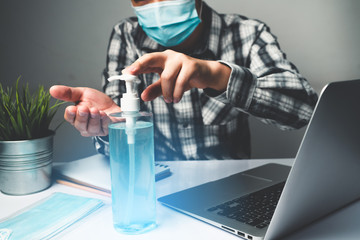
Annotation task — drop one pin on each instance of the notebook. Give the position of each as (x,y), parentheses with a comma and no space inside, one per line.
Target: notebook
(93,174)
(324,177)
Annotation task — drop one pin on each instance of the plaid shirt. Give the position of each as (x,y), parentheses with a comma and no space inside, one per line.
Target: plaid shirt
(206,124)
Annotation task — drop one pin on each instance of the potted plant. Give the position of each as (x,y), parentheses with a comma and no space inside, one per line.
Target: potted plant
(26,141)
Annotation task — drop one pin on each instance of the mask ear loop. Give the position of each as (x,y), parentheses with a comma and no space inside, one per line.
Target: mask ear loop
(201,8)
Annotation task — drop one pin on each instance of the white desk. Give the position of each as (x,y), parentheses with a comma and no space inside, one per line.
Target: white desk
(174,225)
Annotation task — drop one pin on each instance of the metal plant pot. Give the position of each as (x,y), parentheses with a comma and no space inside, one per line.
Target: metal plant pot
(26,165)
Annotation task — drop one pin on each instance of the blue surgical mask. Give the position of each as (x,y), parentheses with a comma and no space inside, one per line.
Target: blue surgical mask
(168,22)
(49,217)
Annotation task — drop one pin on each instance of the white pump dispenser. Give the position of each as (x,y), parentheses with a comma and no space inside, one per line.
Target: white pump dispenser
(130,103)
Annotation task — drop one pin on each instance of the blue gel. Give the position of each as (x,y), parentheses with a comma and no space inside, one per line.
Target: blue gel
(132,177)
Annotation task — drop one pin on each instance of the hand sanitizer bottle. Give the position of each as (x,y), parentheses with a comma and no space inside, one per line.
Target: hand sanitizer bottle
(131,137)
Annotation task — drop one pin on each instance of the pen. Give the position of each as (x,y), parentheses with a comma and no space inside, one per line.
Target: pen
(85,188)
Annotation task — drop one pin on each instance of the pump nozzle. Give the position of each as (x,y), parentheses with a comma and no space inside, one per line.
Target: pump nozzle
(130,81)
(130,103)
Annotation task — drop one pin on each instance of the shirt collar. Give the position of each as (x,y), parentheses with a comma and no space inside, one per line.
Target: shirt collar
(212,31)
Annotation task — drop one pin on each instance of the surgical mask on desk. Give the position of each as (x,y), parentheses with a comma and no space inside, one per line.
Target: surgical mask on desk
(48,217)
(168,22)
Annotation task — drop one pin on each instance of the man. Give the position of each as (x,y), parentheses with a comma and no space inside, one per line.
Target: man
(202,74)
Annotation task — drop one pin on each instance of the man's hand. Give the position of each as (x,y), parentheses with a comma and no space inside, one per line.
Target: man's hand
(179,73)
(89,115)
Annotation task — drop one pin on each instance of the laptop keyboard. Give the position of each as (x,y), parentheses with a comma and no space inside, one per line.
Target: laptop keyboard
(255,209)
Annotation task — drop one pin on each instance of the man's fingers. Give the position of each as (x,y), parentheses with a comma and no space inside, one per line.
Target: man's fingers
(65,93)
(168,79)
(175,70)
(151,92)
(86,116)
(105,121)
(89,122)
(182,83)
(94,124)
(70,114)
(82,120)
(151,62)
(98,124)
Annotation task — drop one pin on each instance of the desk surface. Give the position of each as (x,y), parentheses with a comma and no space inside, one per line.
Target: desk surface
(174,225)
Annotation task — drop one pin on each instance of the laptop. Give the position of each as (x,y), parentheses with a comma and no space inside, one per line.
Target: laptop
(273,200)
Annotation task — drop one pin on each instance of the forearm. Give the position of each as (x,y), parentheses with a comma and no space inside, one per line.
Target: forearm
(218,75)
(281,97)
(268,86)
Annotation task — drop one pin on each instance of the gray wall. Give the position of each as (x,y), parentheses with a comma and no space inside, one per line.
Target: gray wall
(64,42)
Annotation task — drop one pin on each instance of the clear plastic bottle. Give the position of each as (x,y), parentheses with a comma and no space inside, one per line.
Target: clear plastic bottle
(132,174)
(131,138)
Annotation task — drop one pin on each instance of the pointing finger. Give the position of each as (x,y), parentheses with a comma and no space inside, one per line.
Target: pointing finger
(151,62)
(151,92)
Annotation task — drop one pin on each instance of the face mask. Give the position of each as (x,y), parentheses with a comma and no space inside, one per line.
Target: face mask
(49,217)
(168,22)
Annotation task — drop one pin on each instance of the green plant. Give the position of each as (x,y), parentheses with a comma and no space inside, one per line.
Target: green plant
(24,115)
